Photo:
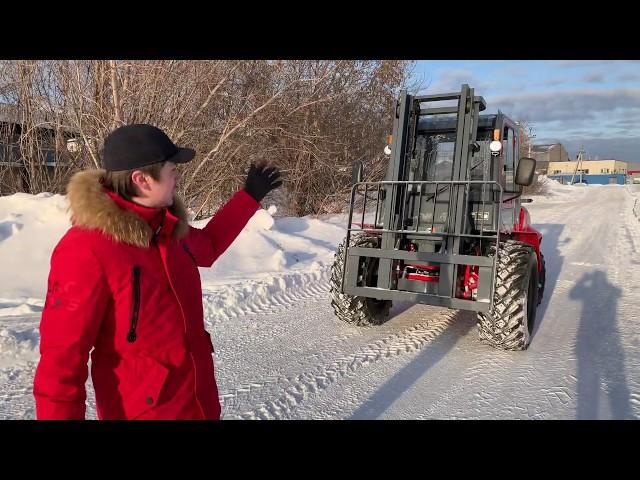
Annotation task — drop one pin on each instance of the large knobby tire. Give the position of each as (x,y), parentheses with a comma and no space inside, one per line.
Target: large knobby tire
(360,311)
(508,325)
(542,279)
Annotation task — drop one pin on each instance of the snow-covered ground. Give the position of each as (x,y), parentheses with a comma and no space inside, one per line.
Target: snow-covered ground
(281,353)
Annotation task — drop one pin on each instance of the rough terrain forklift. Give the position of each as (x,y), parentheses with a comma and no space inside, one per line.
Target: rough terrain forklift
(446,227)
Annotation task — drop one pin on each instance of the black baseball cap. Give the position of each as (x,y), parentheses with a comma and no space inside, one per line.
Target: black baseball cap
(138,145)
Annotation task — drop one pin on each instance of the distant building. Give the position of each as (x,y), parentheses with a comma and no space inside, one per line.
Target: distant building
(633,176)
(54,142)
(546,153)
(598,172)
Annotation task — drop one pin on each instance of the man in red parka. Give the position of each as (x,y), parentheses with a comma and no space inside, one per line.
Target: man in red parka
(124,282)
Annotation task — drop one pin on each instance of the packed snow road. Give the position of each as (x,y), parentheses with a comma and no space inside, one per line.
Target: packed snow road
(426,362)
(286,356)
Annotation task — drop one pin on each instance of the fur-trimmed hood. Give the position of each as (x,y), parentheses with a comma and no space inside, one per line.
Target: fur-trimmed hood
(92,208)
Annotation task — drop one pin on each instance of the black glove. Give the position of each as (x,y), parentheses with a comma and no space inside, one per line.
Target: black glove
(261,180)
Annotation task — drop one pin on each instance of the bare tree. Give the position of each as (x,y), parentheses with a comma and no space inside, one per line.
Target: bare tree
(314,119)
(345,117)
(539,186)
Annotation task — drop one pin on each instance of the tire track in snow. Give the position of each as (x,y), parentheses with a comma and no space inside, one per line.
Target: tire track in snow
(16,399)
(19,342)
(627,257)
(487,368)
(263,296)
(300,387)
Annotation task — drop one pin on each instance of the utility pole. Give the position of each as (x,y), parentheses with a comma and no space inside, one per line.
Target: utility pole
(581,153)
(531,137)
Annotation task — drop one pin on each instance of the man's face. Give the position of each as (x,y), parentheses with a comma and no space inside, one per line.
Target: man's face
(160,193)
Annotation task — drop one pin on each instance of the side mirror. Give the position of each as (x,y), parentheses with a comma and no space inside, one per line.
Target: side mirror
(356,176)
(525,172)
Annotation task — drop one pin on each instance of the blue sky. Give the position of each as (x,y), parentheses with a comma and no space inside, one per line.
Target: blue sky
(595,103)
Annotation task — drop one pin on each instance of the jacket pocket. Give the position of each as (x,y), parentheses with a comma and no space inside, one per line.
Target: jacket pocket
(144,382)
(135,305)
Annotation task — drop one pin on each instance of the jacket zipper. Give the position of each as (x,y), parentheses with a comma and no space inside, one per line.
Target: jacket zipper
(186,249)
(135,305)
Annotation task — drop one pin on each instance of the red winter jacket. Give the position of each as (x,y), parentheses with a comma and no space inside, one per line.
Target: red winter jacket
(137,301)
